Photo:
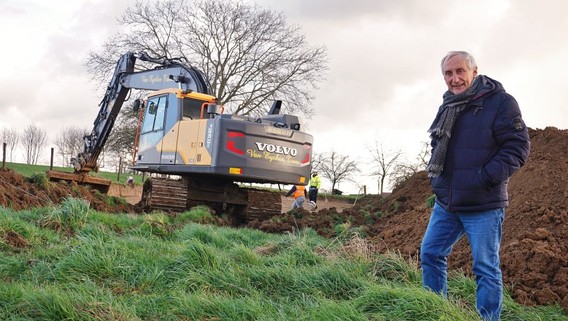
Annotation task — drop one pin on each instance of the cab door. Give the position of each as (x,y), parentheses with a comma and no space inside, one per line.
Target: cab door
(152,130)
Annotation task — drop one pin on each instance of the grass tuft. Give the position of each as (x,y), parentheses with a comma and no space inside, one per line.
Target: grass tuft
(40,180)
(69,217)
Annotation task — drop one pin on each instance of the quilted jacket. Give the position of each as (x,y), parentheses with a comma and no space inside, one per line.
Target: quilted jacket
(489,142)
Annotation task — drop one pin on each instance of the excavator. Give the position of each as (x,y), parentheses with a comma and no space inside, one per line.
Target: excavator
(194,153)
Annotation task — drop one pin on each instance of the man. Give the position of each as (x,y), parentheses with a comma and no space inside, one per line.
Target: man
(478,140)
(299,193)
(314,188)
(130,181)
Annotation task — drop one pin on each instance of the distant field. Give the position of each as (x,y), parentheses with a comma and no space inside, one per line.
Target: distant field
(28,170)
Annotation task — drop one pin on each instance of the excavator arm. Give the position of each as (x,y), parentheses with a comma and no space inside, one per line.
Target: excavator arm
(167,73)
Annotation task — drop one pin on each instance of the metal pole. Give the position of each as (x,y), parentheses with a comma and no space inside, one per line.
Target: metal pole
(51,160)
(119,169)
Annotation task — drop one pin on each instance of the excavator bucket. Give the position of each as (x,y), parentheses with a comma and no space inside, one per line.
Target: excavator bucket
(99,183)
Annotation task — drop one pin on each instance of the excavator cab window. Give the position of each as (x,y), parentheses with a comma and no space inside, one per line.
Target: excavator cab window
(154,117)
(191,108)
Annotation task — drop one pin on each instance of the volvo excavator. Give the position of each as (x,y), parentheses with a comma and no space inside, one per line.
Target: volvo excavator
(198,154)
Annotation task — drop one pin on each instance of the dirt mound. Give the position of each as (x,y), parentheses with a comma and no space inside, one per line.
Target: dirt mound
(18,193)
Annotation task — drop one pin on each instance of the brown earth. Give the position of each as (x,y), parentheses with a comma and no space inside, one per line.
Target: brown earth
(534,253)
(20,193)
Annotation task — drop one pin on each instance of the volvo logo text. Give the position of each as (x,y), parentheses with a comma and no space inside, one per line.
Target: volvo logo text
(271,148)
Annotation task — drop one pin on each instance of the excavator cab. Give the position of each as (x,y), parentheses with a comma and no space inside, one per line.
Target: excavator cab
(173,128)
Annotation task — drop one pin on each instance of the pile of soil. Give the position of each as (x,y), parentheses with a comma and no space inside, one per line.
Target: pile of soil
(534,252)
(19,193)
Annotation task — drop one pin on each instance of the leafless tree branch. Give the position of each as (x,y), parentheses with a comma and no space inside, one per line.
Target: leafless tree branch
(336,168)
(33,141)
(69,142)
(12,138)
(383,162)
(250,55)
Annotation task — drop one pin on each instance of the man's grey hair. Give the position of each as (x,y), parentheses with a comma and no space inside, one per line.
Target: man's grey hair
(466,55)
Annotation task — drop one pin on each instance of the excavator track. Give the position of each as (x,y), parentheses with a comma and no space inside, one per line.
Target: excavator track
(164,194)
(241,204)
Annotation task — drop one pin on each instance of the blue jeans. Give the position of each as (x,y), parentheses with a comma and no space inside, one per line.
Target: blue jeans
(483,230)
(299,202)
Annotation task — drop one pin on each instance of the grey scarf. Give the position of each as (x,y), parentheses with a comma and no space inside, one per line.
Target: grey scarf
(441,128)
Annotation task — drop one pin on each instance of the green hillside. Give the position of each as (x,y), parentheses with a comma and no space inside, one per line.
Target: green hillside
(72,263)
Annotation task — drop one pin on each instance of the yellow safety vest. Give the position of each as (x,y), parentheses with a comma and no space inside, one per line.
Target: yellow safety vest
(315,182)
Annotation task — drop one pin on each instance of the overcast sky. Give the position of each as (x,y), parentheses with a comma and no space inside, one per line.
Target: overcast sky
(383,85)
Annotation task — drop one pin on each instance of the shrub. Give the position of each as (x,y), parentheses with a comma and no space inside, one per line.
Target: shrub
(39,180)
(430,201)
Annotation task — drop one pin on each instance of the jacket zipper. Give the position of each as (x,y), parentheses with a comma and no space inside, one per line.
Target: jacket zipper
(450,174)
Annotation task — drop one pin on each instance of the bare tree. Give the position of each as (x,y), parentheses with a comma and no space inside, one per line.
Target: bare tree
(424,156)
(69,142)
(120,145)
(337,168)
(403,171)
(250,55)
(383,162)
(11,138)
(33,141)
(317,160)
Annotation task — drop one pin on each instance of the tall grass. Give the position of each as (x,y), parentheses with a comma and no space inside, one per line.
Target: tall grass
(99,266)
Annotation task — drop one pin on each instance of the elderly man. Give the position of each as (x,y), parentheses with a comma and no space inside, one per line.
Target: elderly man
(479,140)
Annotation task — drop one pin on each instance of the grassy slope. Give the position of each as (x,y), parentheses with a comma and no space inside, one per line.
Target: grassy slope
(71,263)
(28,170)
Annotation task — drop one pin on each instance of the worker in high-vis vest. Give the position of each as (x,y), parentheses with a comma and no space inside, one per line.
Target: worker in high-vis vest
(314,188)
(299,193)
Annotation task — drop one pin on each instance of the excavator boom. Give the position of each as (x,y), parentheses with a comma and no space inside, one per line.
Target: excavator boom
(166,74)
(169,73)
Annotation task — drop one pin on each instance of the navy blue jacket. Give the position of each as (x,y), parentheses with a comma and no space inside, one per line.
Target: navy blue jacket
(489,142)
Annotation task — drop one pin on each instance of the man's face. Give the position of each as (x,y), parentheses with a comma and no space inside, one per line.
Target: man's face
(457,74)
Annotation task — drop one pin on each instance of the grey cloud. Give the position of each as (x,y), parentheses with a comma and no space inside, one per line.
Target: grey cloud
(417,11)
(12,8)
(89,26)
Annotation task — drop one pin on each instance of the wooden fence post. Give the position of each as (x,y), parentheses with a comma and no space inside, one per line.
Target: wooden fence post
(51,160)
(119,169)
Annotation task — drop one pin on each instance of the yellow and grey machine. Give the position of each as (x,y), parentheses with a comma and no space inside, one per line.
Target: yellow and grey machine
(184,132)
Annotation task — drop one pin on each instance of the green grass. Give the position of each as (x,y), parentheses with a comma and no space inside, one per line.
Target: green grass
(29,171)
(73,263)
